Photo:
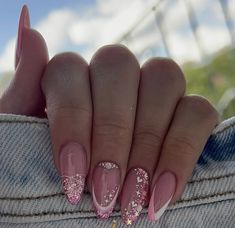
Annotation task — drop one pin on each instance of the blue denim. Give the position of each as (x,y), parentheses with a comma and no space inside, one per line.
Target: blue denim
(31,194)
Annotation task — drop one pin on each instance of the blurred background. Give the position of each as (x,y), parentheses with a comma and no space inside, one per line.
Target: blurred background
(198,34)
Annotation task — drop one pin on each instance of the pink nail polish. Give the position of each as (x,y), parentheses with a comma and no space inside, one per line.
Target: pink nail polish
(105,188)
(135,193)
(163,192)
(24,23)
(73,170)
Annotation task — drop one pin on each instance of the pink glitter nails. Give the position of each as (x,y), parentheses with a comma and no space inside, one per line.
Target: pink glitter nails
(105,188)
(73,171)
(135,194)
(73,187)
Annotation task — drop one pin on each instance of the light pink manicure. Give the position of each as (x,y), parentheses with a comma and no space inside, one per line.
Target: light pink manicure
(23,24)
(73,170)
(163,192)
(105,188)
(134,194)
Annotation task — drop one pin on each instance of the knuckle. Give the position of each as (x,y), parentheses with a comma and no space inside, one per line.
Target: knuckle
(149,138)
(62,71)
(201,106)
(68,111)
(180,147)
(168,73)
(115,129)
(111,55)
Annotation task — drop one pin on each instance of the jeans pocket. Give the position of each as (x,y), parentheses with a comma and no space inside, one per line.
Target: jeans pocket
(31,193)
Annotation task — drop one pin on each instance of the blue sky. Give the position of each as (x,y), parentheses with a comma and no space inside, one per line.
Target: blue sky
(9,14)
(84,25)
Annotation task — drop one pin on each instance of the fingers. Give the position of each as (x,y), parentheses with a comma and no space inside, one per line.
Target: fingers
(114,75)
(162,84)
(24,95)
(66,87)
(193,122)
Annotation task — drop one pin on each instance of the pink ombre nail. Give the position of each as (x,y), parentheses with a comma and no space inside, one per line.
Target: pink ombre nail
(105,188)
(73,170)
(163,192)
(24,23)
(134,194)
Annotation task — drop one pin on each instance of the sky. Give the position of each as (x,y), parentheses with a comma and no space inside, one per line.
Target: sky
(85,25)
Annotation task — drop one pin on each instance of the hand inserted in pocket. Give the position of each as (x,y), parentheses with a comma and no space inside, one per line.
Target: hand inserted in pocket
(129,132)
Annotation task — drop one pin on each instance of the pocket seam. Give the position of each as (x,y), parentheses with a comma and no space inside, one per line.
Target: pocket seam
(82,211)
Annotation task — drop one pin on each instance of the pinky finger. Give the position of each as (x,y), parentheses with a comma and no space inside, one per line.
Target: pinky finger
(192,124)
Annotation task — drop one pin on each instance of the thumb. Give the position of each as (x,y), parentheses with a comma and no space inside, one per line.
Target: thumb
(24,95)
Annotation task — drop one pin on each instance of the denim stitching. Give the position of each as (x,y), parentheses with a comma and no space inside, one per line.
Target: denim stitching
(45,123)
(62,194)
(82,211)
(211,178)
(226,128)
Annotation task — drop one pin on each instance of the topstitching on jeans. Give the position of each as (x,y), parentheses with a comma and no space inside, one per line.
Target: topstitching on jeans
(44,122)
(91,211)
(61,194)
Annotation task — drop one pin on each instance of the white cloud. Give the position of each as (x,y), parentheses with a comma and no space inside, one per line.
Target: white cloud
(111,19)
(105,22)
(213,38)
(54,28)
(8,56)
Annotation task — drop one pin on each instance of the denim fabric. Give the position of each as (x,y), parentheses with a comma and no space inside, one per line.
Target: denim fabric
(31,194)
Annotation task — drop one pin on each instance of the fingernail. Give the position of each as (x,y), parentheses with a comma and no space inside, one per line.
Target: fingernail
(24,22)
(73,170)
(105,188)
(135,192)
(163,192)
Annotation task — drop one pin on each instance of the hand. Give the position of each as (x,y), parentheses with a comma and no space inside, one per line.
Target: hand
(131,131)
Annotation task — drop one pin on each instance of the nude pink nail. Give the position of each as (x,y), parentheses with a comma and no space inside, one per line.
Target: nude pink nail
(73,170)
(105,188)
(163,192)
(24,23)
(134,194)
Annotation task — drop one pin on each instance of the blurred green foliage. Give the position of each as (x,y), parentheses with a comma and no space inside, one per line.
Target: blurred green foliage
(212,80)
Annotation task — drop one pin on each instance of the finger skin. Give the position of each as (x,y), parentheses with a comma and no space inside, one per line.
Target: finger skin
(24,95)
(162,84)
(66,86)
(114,73)
(193,122)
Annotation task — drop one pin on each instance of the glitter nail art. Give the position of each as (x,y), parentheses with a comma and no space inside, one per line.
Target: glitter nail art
(108,165)
(105,192)
(73,187)
(107,200)
(138,195)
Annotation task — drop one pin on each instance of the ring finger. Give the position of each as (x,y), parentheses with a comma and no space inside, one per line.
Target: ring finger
(162,84)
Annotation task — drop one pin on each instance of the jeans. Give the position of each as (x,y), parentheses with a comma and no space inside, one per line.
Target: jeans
(31,194)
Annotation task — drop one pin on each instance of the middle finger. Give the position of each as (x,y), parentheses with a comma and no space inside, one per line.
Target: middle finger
(114,75)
